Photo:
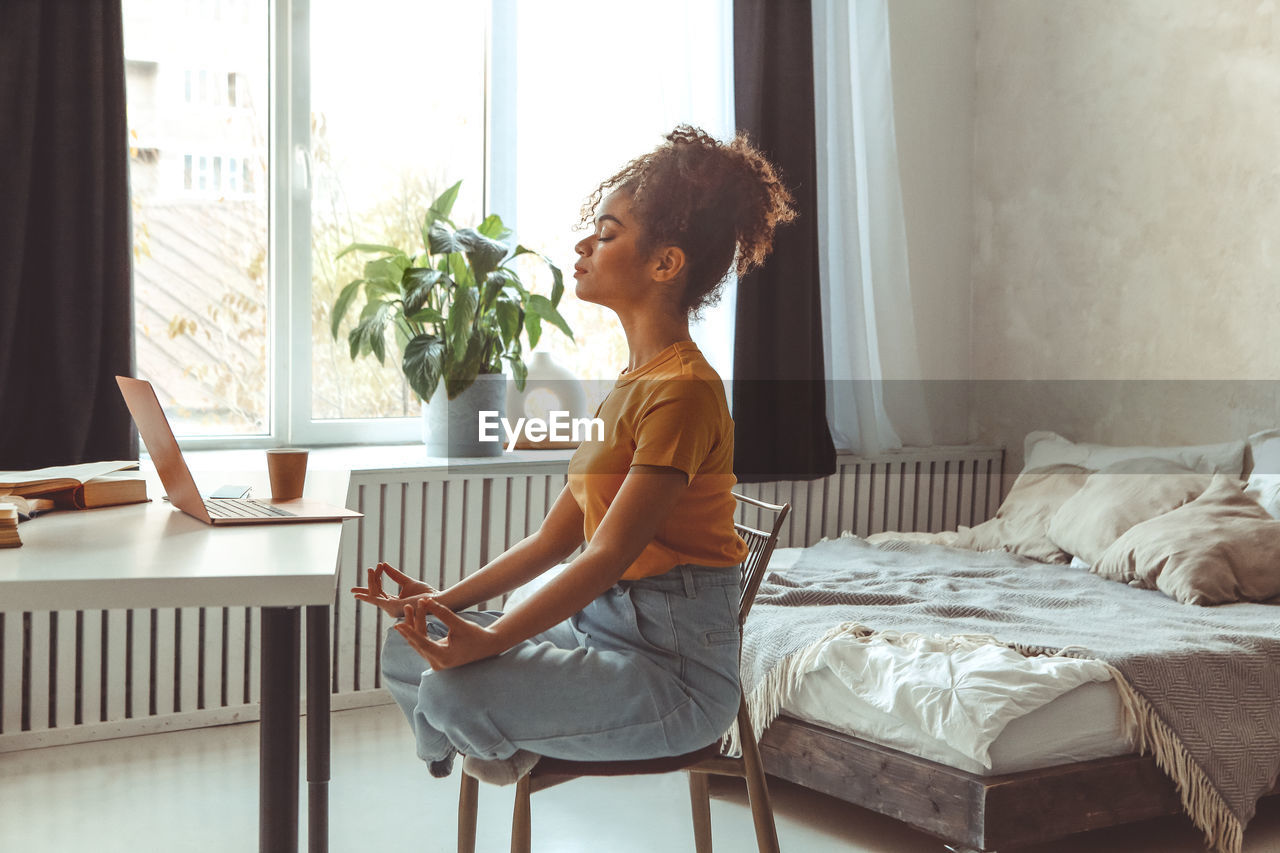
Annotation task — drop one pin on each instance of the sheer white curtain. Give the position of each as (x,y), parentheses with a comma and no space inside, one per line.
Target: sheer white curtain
(869,338)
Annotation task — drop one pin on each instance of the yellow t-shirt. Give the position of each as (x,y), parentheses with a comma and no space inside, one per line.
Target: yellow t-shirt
(670,412)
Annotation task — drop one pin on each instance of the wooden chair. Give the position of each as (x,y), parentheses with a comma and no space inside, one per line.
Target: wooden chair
(708,760)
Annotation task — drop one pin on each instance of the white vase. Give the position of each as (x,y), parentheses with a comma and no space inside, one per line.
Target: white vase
(452,427)
(549,387)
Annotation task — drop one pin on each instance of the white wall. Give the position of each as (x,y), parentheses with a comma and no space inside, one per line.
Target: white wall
(1126,191)
(932,46)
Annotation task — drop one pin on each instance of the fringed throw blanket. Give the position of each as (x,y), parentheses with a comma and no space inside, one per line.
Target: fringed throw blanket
(1201,685)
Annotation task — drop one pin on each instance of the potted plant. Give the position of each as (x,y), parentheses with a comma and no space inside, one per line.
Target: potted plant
(458,310)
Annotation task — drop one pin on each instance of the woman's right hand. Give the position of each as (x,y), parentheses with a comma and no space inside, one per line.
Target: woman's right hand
(408,590)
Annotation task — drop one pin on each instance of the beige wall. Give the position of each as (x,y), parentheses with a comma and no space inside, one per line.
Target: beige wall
(932,49)
(1126,216)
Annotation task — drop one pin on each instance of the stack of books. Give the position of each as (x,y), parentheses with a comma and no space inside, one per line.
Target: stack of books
(9,526)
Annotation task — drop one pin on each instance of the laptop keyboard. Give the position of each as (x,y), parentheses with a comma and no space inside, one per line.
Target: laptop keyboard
(234,508)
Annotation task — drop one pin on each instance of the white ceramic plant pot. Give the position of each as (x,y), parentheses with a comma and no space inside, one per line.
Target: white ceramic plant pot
(550,386)
(452,427)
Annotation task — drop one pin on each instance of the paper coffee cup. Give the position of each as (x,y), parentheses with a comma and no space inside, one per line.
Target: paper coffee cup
(287,468)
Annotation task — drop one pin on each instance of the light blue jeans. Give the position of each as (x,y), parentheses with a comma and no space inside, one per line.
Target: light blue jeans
(647,669)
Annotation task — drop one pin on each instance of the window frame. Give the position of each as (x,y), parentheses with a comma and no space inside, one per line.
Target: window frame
(288,178)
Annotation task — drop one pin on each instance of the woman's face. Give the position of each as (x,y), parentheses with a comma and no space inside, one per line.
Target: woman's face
(611,270)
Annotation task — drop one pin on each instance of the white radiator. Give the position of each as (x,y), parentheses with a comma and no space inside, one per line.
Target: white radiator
(71,676)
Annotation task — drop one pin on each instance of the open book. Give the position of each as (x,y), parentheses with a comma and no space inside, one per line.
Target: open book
(93,484)
(107,490)
(57,478)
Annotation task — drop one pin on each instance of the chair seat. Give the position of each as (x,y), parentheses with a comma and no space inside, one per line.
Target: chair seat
(666,764)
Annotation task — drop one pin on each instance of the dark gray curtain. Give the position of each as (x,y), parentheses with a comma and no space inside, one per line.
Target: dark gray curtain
(66,301)
(779,387)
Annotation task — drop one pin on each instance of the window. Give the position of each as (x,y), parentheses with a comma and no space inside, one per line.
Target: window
(386,138)
(200,276)
(508,98)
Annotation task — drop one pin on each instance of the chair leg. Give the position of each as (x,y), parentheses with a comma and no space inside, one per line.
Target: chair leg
(757,788)
(521,833)
(468,802)
(700,800)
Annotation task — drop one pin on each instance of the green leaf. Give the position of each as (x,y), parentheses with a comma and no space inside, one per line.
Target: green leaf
(519,370)
(557,285)
(356,339)
(368,247)
(443,205)
(508,320)
(426,315)
(491,358)
(461,315)
(379,290)
(465,370)
(389,268)
(483,254)
(441,240)
(369,335)
(342,304)
(515,288)
(493,228)
(540,306)
(494,284)
(383,276)
(423,364)
(378,343)
(532,328)
(417,285)
(460,271)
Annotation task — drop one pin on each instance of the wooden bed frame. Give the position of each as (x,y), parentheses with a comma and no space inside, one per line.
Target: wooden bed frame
(967,811)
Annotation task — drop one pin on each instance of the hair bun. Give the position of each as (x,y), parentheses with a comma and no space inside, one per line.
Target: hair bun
(720,203)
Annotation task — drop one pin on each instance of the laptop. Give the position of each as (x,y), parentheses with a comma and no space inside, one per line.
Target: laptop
(158,437)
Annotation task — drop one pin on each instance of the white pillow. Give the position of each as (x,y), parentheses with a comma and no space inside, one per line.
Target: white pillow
(1264,478)
(1043,448)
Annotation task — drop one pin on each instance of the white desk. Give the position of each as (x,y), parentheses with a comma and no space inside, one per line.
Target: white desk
(152,555)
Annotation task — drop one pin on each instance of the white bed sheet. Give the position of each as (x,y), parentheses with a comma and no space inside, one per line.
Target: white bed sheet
(994,713)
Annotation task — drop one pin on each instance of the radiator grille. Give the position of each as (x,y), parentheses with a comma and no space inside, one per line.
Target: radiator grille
(68,676)
(926,490)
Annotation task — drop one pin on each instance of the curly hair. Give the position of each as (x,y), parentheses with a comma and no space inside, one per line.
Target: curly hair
(720,203)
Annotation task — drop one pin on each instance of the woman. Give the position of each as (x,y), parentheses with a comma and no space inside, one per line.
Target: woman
(632,650)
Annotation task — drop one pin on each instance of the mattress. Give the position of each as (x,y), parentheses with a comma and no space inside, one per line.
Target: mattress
(1015,713)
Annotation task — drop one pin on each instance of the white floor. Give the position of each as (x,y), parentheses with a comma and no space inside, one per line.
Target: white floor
(197,791)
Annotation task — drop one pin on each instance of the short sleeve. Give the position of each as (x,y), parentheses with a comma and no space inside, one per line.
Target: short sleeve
(679,427)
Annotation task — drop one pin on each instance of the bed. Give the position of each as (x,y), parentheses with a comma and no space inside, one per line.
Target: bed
(866,704)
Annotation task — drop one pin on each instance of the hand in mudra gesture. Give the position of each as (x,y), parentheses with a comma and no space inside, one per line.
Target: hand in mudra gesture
(408,590)
(463,643)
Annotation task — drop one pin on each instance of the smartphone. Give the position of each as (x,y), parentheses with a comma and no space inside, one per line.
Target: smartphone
(230,492)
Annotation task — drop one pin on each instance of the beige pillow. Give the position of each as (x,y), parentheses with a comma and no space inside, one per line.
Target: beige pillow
(1021,525)
(1116,498)
(1042,447)
(1220,547)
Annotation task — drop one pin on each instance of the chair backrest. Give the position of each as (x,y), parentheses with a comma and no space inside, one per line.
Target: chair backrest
(761,544)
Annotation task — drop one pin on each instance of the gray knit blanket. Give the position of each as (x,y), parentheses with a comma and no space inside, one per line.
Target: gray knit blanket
(1200,685)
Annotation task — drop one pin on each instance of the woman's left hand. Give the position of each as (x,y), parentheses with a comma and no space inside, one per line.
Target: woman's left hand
(465,642)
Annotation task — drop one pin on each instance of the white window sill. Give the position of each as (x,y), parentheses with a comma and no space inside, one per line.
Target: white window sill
(330,469)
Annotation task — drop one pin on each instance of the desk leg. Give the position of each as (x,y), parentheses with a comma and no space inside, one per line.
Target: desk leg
(278,732)
(318,677)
